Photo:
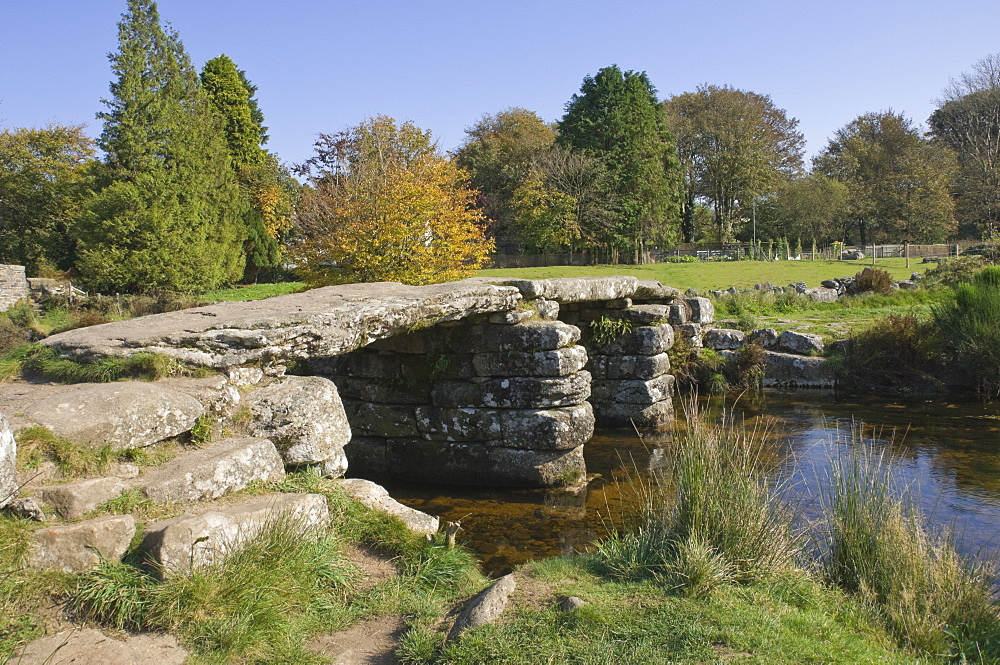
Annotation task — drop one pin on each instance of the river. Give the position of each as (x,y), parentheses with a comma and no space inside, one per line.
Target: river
(946,451)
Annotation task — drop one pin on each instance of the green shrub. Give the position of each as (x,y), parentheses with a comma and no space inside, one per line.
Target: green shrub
(606,330)
(970,326)
(898,353)
(955,271)
(875,280)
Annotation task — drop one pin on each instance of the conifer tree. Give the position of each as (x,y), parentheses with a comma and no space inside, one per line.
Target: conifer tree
(268,187)
(616,118)
(168,208)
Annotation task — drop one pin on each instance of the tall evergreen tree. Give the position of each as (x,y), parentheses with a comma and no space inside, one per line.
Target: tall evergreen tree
(168,208)
(616,118)
(267,186)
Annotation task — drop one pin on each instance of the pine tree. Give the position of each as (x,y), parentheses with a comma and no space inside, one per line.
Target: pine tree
(266,185)
(168,207)
(616,118)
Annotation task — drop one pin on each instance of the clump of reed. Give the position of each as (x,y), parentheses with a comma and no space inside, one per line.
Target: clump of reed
(880,549)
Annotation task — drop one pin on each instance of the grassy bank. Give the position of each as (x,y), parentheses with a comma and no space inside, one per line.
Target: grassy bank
(705,275)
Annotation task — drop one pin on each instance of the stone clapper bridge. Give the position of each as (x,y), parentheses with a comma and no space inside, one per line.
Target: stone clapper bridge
(477,382)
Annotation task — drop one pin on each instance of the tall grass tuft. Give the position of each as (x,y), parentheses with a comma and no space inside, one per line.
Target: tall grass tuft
(715,515)
(879,549)
(970,324)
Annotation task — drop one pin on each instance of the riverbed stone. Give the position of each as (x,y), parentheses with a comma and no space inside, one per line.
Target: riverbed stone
(193,540)
(471,464)
(575,289)
(787,370)
(557,362)
(702,310)
(8,463)
(724,338)
(484,608)
(629,367)
(618,414)
(128,414)
(376,497)
(632,391)
(303,416)
(514,392)
(74,500)
(77,547)
(562,428)
(801,343)
(211,472)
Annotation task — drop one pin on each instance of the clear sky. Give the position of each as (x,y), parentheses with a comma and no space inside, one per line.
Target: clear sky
(322,66)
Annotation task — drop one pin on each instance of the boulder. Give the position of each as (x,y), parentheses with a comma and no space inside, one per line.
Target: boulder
(376,497)
(907,285)
(766,337)
(830,284)
(486,607)
(562,428)
(724,338)
(515,392)
(650,289)
(852,255)
(129,414)
(801,343)
(78,646)
(785,370)
(218,469)
(798,287)
(176,545)
(78,547)
(822,294)
(304,417)
(74,500)
(8,463)
(557,362)
(702,310)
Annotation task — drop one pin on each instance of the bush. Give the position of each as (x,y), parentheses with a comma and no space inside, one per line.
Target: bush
(875,280)
(898,353)
(970,326)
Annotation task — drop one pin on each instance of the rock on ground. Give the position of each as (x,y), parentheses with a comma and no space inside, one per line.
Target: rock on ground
(724,338)
(86,646)
(129,414)
(81,546)
(376,497)
(218,469)
(486,607)
(74,500)
(801,343)
(8,463)
(304,417)
(194,540)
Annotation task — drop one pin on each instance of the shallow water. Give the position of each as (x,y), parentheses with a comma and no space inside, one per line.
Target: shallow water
(946,451)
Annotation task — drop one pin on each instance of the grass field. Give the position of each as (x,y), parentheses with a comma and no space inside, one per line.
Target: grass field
(706,275)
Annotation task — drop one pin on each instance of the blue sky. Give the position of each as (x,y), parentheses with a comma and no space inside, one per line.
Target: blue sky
(324,66)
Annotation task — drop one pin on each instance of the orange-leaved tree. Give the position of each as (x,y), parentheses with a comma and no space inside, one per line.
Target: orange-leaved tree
(385,205)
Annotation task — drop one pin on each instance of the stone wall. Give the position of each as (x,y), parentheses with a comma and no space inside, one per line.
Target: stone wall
(13,286)
(493,400)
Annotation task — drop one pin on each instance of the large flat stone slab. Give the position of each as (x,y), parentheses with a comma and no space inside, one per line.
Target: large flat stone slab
(321,322)
(180,543)
(218,469)
(82,646)
(575,289)
(127,414)
(74,500)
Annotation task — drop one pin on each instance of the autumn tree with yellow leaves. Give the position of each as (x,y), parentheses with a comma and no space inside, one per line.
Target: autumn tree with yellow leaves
(385,205)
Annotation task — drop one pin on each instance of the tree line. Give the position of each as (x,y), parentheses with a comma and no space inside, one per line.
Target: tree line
(184,195)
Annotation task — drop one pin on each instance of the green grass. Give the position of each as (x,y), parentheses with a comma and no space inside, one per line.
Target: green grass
(706,275)
(634,622)
(253,291)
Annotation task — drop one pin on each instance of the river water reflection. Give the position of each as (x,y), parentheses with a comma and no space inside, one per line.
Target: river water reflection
(948,451)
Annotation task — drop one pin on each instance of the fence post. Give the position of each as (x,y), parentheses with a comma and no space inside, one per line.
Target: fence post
(906,251)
